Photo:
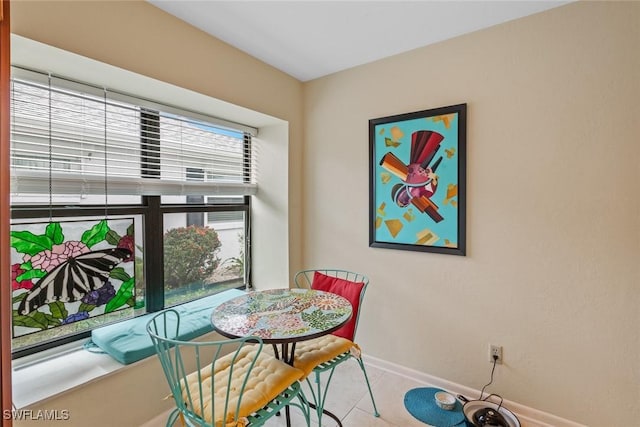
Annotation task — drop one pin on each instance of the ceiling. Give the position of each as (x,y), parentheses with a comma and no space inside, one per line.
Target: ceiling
(311,39)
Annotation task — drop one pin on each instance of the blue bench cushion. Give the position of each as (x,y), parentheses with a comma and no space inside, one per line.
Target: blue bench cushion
(128,341)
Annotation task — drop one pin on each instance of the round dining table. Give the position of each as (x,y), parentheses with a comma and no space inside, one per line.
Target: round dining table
(282,316)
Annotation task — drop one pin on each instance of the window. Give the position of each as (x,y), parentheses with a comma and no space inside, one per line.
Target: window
(88,155)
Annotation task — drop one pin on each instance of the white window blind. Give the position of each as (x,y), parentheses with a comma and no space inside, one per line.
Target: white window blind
(72,138)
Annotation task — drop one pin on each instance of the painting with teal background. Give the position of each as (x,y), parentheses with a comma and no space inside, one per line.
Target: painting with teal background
(417,181)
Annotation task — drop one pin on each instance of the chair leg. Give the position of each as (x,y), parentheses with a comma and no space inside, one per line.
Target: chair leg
(304,407)
(366,377)
(319,396)
(173,416)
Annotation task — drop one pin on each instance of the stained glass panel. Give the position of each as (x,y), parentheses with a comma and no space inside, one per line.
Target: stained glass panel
(67,271)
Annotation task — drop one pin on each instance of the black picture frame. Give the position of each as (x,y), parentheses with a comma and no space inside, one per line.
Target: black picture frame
(417,181)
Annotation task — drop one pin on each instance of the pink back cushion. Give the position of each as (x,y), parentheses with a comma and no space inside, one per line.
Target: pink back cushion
(345,288)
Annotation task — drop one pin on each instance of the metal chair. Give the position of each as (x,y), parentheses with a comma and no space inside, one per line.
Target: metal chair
(326,353)
(228,383)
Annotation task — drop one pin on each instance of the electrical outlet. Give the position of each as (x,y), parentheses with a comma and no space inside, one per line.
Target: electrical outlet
(495,350)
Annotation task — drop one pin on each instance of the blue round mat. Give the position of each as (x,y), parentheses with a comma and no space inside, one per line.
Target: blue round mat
(422,405)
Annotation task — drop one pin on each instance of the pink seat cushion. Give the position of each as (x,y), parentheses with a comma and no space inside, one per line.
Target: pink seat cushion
(345,288)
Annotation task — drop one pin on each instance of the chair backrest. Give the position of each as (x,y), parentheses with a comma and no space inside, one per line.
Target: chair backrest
(349,284)
(193,376)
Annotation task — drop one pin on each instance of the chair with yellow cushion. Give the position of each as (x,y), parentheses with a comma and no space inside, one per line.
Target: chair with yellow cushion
(227,383)
(327,352)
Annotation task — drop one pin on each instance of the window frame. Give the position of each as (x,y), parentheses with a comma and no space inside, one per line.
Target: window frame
(152,211)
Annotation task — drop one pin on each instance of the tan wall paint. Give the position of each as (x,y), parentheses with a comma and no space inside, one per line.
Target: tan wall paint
(552,263)
(552,272)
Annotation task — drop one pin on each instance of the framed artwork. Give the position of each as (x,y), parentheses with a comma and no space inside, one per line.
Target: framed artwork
(67,271)
(417,176)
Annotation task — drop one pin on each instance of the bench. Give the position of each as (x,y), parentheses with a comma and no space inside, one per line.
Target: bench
(128,341)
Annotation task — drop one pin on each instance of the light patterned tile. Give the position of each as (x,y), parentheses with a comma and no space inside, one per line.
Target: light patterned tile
(389,393)
(347,387)
(360,418)
(297,419)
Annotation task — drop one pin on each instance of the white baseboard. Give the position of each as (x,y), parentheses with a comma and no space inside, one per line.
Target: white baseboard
(529,417)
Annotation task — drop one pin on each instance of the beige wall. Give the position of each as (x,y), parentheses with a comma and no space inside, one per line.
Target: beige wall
(553,164)
(552,270)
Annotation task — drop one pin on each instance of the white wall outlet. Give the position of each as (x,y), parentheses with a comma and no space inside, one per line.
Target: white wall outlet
(495,350)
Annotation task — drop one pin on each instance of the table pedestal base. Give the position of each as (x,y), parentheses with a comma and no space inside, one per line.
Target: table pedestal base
(324,411)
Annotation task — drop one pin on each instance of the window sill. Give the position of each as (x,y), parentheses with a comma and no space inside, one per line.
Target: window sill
(69,368)
(49,373)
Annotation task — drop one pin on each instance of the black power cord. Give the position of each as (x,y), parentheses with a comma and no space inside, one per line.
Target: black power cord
(495,360)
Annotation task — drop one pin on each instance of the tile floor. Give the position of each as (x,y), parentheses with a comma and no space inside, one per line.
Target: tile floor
(350,401)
